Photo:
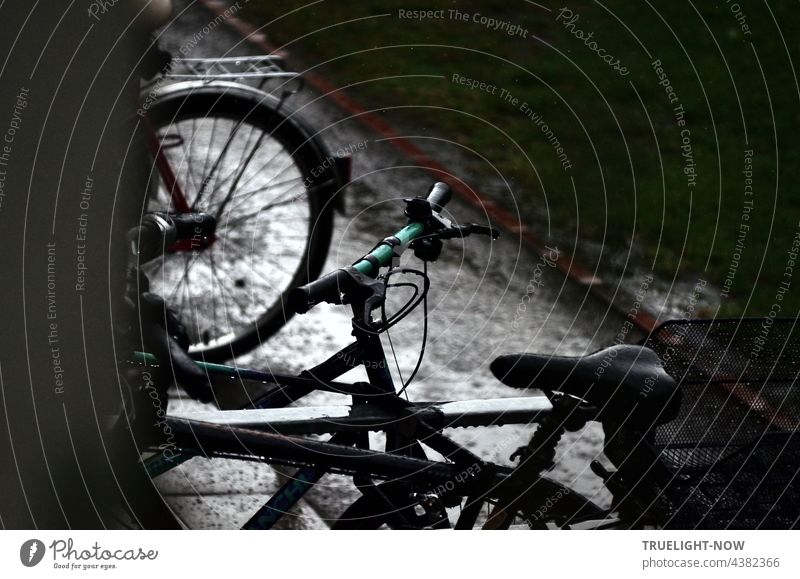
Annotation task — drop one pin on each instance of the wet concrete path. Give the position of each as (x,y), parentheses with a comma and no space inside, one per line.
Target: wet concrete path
(487,298)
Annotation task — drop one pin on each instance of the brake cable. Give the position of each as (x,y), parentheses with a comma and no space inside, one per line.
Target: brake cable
(424,300)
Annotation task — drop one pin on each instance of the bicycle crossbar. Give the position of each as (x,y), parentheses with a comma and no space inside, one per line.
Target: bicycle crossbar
(213,440)
(340,418)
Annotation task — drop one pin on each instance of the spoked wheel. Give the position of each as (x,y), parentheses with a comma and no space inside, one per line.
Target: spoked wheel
(242,157)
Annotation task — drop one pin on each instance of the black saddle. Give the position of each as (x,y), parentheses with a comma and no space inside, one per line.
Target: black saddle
(627,383)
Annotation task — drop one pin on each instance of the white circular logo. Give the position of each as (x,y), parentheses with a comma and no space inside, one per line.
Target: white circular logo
(31,552)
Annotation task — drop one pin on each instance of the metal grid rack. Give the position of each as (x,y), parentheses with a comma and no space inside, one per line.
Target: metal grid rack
(734,447)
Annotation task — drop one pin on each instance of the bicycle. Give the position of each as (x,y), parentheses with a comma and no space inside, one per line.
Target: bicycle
(671,466)
(221,144)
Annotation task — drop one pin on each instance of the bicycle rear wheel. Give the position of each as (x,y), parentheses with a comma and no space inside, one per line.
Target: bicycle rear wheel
(242,156)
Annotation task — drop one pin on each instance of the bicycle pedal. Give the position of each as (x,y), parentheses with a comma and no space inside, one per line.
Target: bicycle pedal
(427,501)
(429,509)
(601,471)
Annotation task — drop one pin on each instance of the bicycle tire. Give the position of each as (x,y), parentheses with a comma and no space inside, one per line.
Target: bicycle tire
(253,304)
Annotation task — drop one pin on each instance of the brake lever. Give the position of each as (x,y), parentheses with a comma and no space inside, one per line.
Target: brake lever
(462,231)
(373,302)
(367,294)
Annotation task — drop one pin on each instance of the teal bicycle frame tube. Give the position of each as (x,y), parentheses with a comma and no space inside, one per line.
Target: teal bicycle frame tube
(211,368)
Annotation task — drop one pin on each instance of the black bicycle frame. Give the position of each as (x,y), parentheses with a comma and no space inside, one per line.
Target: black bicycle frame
(367,351)
(404,458)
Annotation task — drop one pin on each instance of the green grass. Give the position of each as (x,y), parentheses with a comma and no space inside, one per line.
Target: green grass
(626,158)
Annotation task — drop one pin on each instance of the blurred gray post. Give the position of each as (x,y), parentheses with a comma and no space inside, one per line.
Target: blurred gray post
(72,179)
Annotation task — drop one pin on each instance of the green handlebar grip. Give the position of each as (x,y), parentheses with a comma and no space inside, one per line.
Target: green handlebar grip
(383,253)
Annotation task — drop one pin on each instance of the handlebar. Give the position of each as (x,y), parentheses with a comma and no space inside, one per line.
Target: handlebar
(439,196)
(394,245)
(424,219)
(331,287)
(158,232)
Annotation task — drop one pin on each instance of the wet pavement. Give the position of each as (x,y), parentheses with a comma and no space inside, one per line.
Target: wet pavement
(487,298)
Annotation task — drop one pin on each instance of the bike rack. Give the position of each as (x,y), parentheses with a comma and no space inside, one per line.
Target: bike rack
(236,68)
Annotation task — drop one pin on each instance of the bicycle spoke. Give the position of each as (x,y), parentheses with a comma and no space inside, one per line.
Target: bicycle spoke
(286,166)
(185,286)
(214,305)
(243,196)
(238,177)
(250,256)
(240,164)
(237,302)
(193,147)
(189,264)
(206,179)
(222,155)
(187,155)
(284,211)
(219,183)
(267,207)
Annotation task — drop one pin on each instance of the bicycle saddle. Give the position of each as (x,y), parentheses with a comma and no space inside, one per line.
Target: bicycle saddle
(626,382)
